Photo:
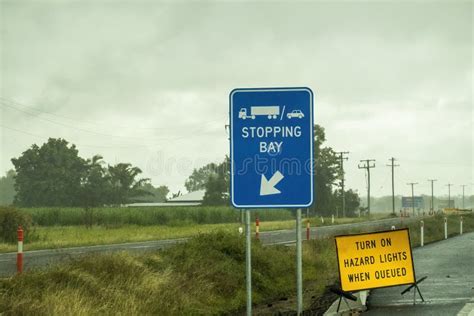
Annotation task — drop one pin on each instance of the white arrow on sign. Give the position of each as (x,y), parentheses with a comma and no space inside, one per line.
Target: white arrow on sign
(267,187)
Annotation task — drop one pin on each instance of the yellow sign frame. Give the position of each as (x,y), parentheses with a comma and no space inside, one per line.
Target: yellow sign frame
(375,260)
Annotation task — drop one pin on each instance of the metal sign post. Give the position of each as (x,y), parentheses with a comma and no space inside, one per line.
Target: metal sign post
(248,262)
(271,155)
(299,266)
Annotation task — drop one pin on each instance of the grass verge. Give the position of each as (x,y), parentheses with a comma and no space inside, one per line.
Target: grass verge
(204,276)
(52,237)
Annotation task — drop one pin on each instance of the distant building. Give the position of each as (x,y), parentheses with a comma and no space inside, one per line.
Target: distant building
(191,199)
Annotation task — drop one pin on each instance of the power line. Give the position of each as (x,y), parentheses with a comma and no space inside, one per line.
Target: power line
(341,162)
(23,107)
(5,105)
(75,143)
(129,138)
(367,166)
(412,196)
(68,126)
(393,165)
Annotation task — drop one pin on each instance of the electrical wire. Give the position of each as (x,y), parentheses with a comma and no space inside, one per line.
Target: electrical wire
(100,124)
(5,105)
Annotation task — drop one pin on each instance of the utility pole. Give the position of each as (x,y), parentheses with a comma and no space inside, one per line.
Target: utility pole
(432,195)
(366,165)
(463,186)
(449,194)
(341,162)
(393,165)
(412,196)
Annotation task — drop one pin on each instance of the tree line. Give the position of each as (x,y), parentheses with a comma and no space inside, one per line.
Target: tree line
(55,175)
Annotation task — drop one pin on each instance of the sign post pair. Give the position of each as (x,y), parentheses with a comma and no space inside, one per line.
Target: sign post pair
(271,152)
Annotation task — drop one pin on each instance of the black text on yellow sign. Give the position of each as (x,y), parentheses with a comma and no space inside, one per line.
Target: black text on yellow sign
(374,260)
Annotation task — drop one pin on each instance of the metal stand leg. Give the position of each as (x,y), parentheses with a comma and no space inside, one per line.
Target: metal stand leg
(417,289)
(419,292)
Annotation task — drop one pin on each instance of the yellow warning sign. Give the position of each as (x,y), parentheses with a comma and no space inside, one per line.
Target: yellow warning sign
(374,260)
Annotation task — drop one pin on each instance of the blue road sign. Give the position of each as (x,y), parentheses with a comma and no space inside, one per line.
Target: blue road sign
(271,147)
(408,203)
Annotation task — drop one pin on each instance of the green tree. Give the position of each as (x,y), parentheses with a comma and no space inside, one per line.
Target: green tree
(157,194)
(124,187)
(95,188)
(198,179)
(95,184)
(7,188)
(352,202)
(216,191)
(327,171)
(214,179)
(49,175)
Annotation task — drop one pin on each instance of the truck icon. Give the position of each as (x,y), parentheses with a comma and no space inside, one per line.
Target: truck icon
(271,112)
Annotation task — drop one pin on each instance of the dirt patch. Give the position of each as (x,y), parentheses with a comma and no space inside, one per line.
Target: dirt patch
(286,306)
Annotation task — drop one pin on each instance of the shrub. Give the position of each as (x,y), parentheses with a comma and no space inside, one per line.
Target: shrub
(10,219)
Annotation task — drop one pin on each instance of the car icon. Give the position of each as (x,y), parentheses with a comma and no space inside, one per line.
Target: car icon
(295,113)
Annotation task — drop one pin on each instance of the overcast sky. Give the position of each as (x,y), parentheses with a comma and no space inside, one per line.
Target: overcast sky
(147,82)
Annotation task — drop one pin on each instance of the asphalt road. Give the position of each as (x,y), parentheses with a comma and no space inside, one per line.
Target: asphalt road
(41,258)
(448,290)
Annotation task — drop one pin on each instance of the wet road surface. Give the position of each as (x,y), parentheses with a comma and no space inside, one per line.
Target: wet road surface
(448,290)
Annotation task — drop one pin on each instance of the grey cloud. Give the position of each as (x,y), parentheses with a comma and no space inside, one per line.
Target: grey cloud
(130,66)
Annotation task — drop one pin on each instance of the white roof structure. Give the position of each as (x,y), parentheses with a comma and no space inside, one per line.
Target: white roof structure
(196,196)
(191,199)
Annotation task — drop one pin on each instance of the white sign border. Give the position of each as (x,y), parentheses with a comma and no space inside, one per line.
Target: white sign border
(311,120)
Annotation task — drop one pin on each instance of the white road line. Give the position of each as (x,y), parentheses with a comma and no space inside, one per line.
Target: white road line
(468,309)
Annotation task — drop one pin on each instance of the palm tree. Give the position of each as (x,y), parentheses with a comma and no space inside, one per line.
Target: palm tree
(124,185)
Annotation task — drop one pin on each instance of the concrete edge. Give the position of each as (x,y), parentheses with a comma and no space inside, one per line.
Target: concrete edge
(358,306)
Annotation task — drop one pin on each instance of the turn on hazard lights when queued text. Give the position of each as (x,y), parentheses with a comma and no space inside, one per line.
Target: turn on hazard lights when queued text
(374,260)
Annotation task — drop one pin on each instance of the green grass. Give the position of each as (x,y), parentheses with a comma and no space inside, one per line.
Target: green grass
(50,237)
(205,276)
(434,228)
(146,216)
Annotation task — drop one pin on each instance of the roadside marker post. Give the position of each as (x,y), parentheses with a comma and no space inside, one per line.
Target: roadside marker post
(271,155)
(19,255)
(308,230)
(445,228)
(460,226)
(422,237)
(257,227)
